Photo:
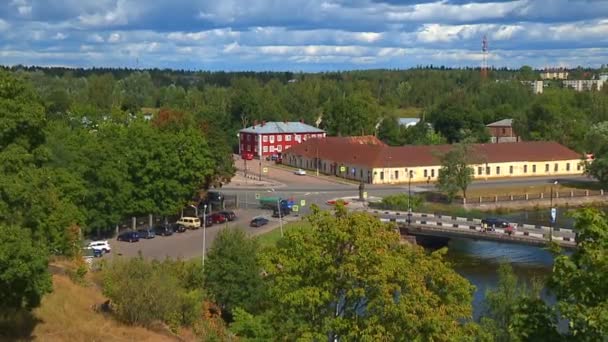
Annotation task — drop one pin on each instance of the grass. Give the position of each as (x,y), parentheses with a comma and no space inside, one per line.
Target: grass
(530,189)
(68,314)
(271,238)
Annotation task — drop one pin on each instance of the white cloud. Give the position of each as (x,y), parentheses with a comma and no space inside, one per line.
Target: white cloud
(444,11)
(114,37)
(59,36)
(4,25)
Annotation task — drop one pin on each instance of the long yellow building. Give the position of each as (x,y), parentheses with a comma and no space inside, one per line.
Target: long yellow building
(369,160)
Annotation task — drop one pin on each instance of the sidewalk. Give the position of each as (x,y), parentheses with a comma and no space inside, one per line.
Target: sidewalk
(239,180)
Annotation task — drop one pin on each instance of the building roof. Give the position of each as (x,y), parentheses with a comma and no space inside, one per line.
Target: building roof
(281,127)
(501,123)
(342,151)
(408,121)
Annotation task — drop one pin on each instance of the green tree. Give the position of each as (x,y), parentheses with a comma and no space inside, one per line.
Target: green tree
(389,132)
(579,280)
(455,173)
(597,143)
(24,275)
(350,277)
(232,272)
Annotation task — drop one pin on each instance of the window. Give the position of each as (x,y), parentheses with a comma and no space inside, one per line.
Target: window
(248,137)
(498,170)
(255,148)
(511,169)
(487,170)
(534,168)
(265,149)
(504,131)
(272,139)
(265,138)
(248,148)
(525,168)
(298,138)
(242,147)
(279,148)
(271,149)
(396,174)
(426,173)
(479,170)
(555,167)
(381,175)
(578,167)
(546,167)
(256,138)
(567,166)
(288,137)
(361,173)
(279,138)
(433,173)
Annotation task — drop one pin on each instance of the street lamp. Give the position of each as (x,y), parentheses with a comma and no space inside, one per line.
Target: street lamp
(204,233)
(195,210)
(410,174)
(552,213)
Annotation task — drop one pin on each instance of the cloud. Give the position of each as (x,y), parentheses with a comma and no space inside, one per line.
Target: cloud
(302,34)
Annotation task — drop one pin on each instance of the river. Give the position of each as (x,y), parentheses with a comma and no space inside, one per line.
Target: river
(478,261)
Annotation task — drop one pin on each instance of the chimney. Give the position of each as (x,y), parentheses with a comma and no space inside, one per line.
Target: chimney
(301,121)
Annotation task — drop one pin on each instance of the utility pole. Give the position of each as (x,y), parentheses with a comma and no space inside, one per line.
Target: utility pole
(260,168)
(409,197)
(552,214)
(280,216)
(204,233)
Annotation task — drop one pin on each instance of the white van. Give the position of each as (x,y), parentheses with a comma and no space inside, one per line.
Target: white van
(189,222)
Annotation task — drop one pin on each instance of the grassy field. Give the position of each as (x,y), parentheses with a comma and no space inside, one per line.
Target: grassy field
(270,238)
(532,189)
(68,314)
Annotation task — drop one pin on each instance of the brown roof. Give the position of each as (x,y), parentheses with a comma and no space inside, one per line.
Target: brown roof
(342,150)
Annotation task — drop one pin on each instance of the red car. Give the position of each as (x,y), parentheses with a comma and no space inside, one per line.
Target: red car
(247,156)
(218,218)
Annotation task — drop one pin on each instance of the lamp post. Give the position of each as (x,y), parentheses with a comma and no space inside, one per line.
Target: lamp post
(280,215)
(204,233)
(260,168)
(195,210)
(552,213)
(409,196)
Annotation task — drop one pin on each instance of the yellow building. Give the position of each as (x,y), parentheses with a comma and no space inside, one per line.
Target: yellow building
(369,160)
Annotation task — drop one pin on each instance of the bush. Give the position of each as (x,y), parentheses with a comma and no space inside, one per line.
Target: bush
(399,202)
(143,292)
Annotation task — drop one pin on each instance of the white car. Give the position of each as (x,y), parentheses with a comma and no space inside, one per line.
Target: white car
(103,246)
(300,172)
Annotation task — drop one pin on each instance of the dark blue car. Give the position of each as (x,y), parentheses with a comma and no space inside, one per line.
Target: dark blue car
(129,236)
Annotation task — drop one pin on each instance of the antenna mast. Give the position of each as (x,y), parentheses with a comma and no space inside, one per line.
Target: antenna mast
(484,60)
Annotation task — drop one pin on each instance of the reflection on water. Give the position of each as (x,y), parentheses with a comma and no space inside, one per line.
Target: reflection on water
(478,261)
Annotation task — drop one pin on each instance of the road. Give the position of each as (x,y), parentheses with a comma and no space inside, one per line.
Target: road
(309,188)
(189,244)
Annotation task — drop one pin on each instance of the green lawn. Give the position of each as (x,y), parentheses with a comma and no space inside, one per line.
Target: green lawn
(270,238)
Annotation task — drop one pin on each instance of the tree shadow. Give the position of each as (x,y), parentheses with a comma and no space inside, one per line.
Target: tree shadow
(17,325)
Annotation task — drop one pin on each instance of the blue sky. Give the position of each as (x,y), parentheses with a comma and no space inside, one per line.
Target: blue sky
(302,35)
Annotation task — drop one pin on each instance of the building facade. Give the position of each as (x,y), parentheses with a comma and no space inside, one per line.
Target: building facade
(502,131)
(381,164)
(554,74)
(272,138)
(584,85)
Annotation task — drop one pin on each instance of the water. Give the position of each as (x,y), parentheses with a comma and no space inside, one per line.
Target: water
(478,261)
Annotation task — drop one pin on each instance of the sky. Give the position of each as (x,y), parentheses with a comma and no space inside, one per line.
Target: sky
(302,35)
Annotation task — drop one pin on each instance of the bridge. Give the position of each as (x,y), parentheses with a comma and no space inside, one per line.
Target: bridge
(446,226)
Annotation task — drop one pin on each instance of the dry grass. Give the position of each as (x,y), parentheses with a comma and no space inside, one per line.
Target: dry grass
(518,190)
(68,315)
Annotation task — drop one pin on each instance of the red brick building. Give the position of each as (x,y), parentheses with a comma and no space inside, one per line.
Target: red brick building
(502,131)
(272,138)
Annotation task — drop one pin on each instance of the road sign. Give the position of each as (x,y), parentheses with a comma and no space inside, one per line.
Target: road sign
(342,168)
(265,170)
(302,203)
(353,171)
(295,208)
(553,214)
(257,196)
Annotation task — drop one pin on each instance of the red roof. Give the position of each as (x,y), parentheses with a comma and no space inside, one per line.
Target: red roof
(343,150)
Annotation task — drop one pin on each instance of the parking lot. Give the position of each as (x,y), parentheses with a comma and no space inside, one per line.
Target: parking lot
(190,243)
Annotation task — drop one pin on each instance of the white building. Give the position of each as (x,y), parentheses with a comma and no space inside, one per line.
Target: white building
(584,85)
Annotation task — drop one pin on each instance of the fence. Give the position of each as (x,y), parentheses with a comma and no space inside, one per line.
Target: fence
(557,195)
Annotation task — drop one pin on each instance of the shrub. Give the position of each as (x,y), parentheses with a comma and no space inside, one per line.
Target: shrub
(400,202)
(143,292)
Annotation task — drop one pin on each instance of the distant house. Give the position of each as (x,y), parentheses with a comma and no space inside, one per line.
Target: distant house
(554,74)
(502,131)
(585,85)
(271,138)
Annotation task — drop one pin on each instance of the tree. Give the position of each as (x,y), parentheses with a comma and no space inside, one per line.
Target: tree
(455,173)
(579,280)
(597,143)
(232,272)
(24,275)
(515,312)
(389,132)
(349,277)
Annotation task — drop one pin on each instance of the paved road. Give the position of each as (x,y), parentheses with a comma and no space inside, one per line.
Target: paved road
(189,244)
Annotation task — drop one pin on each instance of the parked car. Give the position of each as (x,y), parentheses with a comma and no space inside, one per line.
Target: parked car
(247,156)
(299,172)
(130,236)
(146,233)
(102,246)
(208,221)
(218,218)
(178,228)
(230,215)
(284,212)
(258,222)
(164,229)
(88,252)
(189,222)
